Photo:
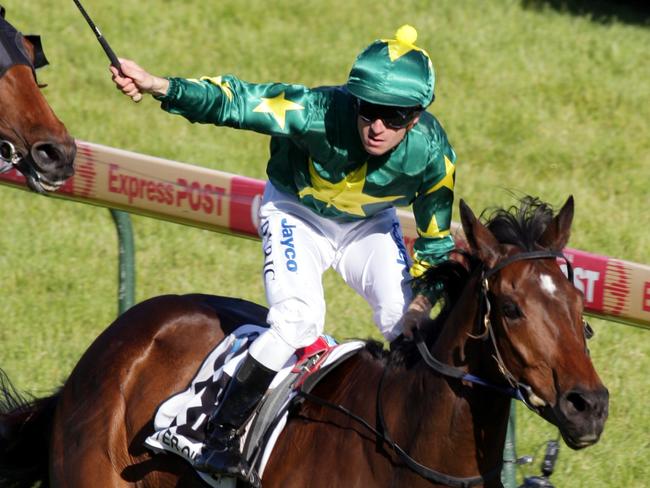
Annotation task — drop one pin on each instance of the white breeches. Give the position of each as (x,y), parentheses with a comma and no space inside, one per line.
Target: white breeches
(299,246)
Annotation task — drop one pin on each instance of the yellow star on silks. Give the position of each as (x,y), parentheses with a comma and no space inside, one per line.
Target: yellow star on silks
(277,107)
(346,195)
(433,230)
(403,43)
(447,181)
(218,81)
(397,49)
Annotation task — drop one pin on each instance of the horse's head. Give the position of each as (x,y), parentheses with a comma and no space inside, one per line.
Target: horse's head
(32,138)
(535,316)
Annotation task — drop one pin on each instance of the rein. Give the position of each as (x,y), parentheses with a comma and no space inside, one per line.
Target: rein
(420,469)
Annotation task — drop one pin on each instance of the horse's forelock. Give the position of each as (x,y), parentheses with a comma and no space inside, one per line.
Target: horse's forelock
(521,225)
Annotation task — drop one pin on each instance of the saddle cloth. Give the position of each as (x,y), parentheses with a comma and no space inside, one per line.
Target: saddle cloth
(179,422)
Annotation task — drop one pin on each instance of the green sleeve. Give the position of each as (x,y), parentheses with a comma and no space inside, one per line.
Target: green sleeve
(432,209)
(275,109)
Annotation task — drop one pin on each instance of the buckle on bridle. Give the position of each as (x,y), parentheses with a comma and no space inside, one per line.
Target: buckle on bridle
(8,153)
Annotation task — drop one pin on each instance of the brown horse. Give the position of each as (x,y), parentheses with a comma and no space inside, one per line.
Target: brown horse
(32,138)
(511,321)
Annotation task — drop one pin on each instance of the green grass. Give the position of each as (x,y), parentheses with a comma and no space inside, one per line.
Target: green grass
(534,100)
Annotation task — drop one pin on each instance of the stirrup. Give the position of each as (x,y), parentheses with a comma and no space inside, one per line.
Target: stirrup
(237,467)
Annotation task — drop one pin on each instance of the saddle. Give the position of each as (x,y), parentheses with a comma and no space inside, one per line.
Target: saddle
(180,421)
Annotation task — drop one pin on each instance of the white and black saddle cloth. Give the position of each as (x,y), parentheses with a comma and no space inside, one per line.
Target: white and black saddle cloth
(180,421)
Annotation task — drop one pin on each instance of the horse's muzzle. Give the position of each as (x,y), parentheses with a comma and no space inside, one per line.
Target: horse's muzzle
(581,415)
(49,164)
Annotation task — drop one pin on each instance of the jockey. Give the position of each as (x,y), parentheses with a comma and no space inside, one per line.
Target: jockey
(341,159)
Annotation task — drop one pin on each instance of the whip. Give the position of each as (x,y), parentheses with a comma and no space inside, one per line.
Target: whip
(104,43)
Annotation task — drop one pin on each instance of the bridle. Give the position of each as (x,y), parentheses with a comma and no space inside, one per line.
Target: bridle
(13,53)
(516,389)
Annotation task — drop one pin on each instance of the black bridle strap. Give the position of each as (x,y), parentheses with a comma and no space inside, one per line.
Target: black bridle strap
(516,390)
(542,254)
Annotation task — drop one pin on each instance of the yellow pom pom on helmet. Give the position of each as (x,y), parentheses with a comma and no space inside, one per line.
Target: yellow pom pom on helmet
(394,72)
(406,34)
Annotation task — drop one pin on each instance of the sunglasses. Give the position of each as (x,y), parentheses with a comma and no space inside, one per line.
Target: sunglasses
(392,117)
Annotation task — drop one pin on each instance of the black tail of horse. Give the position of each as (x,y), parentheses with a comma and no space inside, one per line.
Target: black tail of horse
(25,430)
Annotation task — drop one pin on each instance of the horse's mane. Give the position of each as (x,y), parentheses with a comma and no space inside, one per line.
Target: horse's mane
(519,225)
(10,398)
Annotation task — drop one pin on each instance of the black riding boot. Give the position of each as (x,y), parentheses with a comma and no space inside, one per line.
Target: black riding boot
(221,454)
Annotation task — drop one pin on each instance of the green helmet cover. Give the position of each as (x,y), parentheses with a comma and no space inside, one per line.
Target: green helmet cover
(394,72)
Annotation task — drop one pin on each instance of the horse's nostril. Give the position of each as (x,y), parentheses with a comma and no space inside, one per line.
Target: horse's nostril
(577,401)
(46,153)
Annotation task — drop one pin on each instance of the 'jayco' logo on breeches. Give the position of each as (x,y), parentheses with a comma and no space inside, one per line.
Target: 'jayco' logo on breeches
(287,243)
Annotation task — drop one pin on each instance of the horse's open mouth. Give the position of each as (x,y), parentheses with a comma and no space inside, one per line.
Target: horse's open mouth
(37,181)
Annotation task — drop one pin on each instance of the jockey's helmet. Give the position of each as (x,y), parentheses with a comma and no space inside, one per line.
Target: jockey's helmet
(394,72)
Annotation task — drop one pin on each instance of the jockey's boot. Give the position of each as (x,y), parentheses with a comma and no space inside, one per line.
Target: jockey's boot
(221,454)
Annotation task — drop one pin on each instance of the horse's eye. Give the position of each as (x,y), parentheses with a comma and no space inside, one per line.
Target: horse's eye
(511,310)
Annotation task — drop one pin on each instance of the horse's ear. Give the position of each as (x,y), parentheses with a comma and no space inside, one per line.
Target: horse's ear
(481,241)
(557,233)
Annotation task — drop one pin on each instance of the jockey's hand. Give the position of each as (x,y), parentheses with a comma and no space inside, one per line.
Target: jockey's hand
(416,314)
(134,80)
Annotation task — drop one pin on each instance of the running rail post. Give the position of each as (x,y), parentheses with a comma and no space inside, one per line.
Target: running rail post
(509,471)
(126,265)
